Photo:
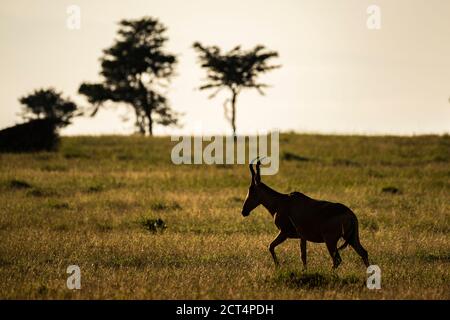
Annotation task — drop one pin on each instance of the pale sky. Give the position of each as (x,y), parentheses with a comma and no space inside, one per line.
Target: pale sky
(337,76)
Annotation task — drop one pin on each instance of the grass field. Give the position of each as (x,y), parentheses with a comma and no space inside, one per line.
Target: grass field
(91,204)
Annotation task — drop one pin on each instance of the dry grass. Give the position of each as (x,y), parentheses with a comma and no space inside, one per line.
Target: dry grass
(89,204)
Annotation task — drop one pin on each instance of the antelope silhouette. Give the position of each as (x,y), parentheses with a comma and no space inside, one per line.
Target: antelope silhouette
(298,216)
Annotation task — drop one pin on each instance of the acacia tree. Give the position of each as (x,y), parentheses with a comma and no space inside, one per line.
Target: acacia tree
(234,70)
(48,104)
(135,69)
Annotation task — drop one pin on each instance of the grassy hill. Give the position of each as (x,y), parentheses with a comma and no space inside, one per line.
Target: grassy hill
(93,203)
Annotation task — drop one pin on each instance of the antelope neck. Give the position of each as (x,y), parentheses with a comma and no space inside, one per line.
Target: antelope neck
(270,198)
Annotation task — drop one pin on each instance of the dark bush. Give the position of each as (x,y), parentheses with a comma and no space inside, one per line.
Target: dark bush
(392,190)
(163,206)
(18,184)
(153,225)
(289,156)
(35,135)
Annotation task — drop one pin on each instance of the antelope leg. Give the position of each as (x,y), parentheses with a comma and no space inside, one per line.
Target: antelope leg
(303,251)
(362,252)
(280,238)
(334,253)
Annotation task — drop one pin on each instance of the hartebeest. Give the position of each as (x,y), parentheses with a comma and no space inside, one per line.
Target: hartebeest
(301,217)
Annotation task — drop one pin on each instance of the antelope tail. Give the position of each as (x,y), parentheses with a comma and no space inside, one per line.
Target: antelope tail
(352,233)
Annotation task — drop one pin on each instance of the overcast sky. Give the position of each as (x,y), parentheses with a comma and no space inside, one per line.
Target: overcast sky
(337,75)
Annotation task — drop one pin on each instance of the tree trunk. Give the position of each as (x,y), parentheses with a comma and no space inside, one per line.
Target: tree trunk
(139,122)
(148,115)
(150,124)
(147,106)
(233,112)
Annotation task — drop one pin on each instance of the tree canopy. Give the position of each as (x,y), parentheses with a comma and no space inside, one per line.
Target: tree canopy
(48,104)
(136,70)
(235,70)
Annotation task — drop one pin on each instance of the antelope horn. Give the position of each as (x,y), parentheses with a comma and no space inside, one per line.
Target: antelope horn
(252,171)
(258,158)
(252,161)
(258,171)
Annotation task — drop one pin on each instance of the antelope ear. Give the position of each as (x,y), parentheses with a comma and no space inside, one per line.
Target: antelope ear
(258,172)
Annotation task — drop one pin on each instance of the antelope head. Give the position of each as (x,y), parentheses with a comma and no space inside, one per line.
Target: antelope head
(253,198)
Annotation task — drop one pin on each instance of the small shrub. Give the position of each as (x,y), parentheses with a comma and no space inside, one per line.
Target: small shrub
(59,205)
(345,162)
(390,189)
(19,184)
(96,188)
(61,227)
(314,280)
(54,168)
(289,156)
(76,154)
(435,257)
(125,157)
(153,225)
(37,192)
(42,289)
(162,206)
